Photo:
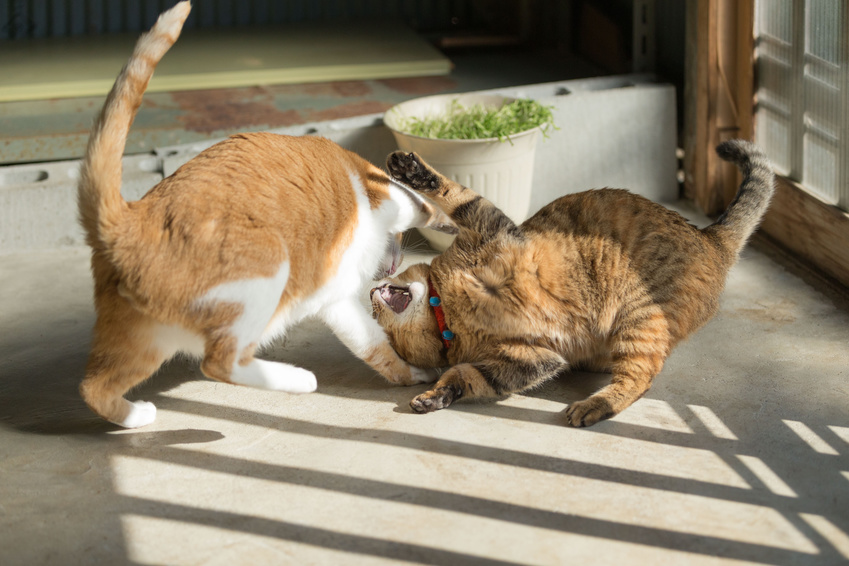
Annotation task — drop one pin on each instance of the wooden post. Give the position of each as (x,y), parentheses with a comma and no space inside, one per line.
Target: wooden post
(744,89)
(718,96)
(699,25)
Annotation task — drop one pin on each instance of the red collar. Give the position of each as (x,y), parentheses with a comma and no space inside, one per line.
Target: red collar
(436,302)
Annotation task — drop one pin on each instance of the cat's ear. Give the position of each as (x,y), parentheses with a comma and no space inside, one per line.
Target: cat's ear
(438,220)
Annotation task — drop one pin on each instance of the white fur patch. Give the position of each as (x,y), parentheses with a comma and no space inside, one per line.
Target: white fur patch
(370,241)
(404,207)
(357,265)
(275,376)
(259,299)
(417,290)
(420,375)
(354,326)
(141,413)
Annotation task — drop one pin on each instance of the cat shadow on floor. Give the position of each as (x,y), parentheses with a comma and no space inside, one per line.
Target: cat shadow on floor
(39,388)
(43,362)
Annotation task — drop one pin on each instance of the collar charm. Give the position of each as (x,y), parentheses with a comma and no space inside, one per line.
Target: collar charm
(436,303)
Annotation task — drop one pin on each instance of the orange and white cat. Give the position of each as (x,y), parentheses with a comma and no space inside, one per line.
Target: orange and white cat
(243,241)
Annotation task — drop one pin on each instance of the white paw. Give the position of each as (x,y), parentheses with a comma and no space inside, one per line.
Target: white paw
(275,376)
(299,381)
(141,413)
(423,375)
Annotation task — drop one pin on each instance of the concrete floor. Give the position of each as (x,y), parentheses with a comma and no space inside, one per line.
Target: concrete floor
(738,454)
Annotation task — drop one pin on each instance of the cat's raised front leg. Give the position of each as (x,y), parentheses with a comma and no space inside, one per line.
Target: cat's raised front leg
(367,340)
(466,208)
(514,367)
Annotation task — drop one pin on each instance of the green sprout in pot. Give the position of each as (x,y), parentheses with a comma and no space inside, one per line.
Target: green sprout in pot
(479,122)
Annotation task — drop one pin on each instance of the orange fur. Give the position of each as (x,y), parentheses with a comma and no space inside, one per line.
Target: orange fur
(252,235)
(603,279)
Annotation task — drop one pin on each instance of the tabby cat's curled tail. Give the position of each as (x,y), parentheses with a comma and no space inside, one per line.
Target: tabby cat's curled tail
(101,206)
(745,212)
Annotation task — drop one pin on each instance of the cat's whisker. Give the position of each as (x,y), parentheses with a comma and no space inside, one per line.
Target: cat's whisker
(415,244)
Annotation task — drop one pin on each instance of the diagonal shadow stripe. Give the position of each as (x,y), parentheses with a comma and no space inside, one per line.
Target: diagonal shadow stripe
(491,509)
(651,434)
(762,497)
(314,536)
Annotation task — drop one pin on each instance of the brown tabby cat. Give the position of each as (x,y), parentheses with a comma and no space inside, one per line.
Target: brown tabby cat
(243,241)
(605,280)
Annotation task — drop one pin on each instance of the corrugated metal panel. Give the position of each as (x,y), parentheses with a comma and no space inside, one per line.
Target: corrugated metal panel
(57,18)
(802,115)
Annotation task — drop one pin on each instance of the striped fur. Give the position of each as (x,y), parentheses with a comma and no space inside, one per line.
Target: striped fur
(604,279)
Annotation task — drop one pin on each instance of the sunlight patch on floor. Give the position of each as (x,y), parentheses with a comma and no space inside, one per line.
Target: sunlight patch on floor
(712,422)
(769,478)
(841,431)
(326,488)
(662,460)
(654,413)
(838,539)
(578,445)
(153,541)
(811,438)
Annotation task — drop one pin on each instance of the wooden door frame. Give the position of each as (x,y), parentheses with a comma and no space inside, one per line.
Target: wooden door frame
(719,105)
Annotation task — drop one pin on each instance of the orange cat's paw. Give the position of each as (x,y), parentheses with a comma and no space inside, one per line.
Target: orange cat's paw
(409,169)
(589,412)
(139,413)
(433,400)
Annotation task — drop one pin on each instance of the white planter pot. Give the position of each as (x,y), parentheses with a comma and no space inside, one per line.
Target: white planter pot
(500,171)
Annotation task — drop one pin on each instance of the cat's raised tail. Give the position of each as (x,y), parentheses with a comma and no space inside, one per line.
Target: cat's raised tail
(101,206)
(746,211)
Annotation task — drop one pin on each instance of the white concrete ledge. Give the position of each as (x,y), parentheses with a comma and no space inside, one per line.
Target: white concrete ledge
(613,131)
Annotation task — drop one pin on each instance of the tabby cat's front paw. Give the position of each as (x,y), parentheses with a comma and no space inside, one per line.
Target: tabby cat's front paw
(589,411)
(409,169)
(433,400)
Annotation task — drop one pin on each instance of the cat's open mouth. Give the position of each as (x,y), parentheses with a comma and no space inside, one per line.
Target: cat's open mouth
(396,298)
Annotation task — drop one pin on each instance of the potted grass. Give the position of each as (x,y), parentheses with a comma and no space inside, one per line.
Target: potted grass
(483,141)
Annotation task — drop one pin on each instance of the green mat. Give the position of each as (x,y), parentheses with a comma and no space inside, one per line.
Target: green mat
(202,59)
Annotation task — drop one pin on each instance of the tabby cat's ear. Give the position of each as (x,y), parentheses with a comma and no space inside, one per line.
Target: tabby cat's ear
(438,220)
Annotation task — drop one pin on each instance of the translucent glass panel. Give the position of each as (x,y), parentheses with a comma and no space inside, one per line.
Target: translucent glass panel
(775,18)
(802,114)
(823,29)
